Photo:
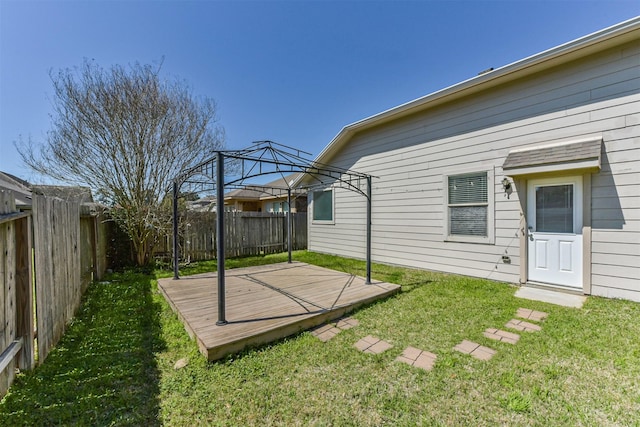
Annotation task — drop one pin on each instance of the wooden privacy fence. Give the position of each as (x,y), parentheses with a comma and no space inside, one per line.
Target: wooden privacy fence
(56,232)
(51,252)
(16,292)
(66,250)
(246,233)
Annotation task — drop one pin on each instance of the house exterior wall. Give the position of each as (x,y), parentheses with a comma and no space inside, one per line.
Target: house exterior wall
(298,202)
(411,157)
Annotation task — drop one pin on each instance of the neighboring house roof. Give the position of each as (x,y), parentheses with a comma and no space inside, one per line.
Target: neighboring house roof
(74,194)
(244,194)
(251,192)
(20,188)
(613,36)
(23,191)
(205,204)
(262,192)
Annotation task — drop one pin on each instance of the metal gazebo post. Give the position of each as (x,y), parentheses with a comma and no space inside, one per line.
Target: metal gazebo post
(368,281)
(289,223)
(220,234)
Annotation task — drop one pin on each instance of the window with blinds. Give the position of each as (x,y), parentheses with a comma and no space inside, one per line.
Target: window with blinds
(468,204)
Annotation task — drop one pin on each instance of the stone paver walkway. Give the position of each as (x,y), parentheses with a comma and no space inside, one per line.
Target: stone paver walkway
(325,332)
(499,335)
(426,360)
(536,316)
(347,323)
(521,325)
(418,358)
(476,350)
(372,345)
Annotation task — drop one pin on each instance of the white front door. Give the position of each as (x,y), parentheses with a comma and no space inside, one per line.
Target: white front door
(554,218)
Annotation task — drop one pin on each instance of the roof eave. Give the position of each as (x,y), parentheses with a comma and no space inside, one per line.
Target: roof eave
(615,35)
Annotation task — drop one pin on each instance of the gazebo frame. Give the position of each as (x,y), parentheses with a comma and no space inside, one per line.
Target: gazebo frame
(262,158)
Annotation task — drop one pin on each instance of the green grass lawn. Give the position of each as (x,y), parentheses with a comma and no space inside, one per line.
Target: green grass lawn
(115,364)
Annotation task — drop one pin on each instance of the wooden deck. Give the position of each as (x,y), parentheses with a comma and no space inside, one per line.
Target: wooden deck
(265,303)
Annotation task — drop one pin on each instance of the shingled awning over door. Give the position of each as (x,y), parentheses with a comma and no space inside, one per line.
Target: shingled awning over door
(584,154)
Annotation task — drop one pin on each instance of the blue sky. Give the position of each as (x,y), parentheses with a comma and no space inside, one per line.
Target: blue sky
(294,72)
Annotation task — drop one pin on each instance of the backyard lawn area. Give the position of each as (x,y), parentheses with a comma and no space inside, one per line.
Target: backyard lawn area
(116,364)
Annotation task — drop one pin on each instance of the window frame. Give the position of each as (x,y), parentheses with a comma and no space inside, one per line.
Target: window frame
(333,207)
(490,204)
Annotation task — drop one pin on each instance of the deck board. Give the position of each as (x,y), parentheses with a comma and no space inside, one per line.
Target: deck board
(265,303)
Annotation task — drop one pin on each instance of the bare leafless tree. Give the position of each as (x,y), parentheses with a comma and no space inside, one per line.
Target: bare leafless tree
(125,133)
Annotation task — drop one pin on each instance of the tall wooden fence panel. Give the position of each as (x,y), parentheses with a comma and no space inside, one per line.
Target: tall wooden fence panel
(299,233)
(87,252)
(16,295)
(58,267)
(101,245)
(246,233)
(93,245)
(67,250)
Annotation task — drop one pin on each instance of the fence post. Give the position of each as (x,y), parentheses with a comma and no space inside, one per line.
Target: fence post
(97,273)
(24,292)
(175,231)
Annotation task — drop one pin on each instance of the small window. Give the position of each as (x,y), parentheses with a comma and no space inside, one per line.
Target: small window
(554,208)
(469,214)
(323,205)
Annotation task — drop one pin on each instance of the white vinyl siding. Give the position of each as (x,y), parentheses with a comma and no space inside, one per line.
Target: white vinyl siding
(410,156)
(615,199)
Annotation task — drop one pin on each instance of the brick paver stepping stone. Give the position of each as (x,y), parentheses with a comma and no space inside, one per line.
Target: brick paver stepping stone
(347,323)
(536,316)
(325,332)
(521,325)
(418,358)
(372,345)
(499,335)
(476,350)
